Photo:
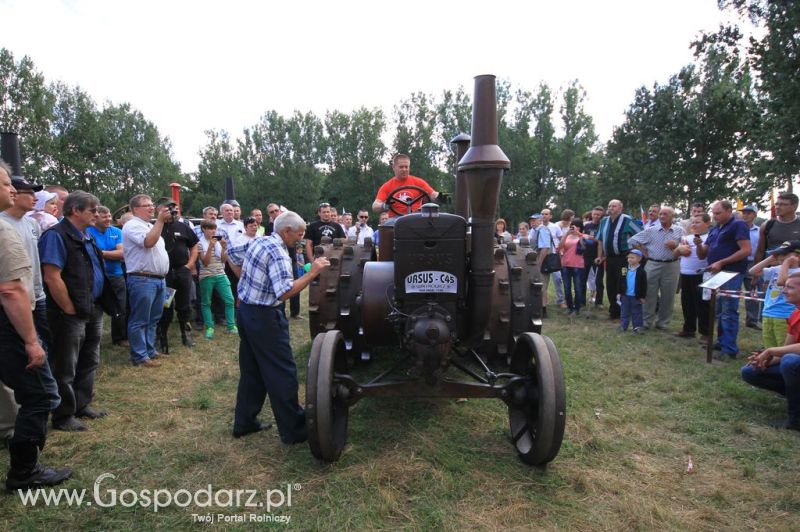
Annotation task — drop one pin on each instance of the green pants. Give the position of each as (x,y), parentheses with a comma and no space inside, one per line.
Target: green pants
(773,331)
(222,285)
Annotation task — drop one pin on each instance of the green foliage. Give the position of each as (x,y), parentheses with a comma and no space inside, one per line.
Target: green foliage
(113,153)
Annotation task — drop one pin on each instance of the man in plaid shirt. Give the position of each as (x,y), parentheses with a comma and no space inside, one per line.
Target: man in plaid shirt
(268,367)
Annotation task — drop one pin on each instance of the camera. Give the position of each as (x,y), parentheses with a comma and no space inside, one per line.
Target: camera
(217,237)
(173,212)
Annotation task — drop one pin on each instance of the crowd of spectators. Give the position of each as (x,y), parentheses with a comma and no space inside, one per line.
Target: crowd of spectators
(68,262)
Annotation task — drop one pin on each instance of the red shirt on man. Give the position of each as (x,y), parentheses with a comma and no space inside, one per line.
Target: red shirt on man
(404,194)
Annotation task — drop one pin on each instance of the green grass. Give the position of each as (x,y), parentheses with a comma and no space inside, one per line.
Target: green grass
(638,408)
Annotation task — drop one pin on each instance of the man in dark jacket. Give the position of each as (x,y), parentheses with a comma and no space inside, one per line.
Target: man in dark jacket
(74,278)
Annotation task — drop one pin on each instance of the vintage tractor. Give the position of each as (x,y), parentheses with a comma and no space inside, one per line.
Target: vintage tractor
(453,301)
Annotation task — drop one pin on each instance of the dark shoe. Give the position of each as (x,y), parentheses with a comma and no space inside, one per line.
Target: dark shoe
(787,424)
(684,334)
(756,326)
(91,413)
(703,340)
(39,476)
(722,356)
(259,428)
(70,425)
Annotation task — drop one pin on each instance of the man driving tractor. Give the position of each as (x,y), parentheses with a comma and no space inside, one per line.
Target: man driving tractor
(403,193)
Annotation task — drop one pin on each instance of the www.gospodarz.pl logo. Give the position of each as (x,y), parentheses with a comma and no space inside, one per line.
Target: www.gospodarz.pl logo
(158,498)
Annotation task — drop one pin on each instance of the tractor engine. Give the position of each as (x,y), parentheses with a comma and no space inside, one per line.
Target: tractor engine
(430,284)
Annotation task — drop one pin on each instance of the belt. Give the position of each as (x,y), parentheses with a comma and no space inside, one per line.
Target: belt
(146,274)
(657,260)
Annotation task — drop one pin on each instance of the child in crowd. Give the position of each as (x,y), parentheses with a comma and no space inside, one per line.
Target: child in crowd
(213,254)
(632,292)
(775,269)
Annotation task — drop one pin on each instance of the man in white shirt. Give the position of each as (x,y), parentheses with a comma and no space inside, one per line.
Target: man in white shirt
(147,262)
(228,225)
(361,229)
(556,233)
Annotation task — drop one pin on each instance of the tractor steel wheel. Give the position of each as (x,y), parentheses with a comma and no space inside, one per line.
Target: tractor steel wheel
(536,408)
(561,399)
(326,413)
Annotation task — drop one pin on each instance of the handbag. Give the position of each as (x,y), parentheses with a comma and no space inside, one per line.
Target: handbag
(552,262)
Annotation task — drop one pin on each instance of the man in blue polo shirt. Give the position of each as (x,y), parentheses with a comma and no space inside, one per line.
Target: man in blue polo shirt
(74,280)
(726,248)
(109,240)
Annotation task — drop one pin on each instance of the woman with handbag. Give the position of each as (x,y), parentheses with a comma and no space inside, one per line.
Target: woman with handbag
(571,251)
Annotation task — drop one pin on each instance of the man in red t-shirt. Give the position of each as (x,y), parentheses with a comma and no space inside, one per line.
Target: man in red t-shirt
(405,200)
(778,368)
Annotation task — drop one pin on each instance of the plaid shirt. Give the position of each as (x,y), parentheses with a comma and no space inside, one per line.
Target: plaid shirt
(266,270)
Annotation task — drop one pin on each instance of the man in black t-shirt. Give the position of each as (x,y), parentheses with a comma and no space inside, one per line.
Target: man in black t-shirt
(181,243)
(325,226)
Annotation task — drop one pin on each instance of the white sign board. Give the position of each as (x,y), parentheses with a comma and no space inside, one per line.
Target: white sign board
(718,280)
(431,282)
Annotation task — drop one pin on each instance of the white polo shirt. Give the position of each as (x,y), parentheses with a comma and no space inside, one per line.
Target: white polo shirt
(139,258)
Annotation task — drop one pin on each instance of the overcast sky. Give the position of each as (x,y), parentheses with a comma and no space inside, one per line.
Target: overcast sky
(193,66)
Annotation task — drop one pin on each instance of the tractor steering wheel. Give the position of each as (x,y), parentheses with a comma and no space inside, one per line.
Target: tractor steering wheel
(391,199)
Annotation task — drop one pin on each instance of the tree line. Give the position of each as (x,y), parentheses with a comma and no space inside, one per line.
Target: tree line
(725,126)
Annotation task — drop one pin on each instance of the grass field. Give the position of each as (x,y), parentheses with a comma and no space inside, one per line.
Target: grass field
(638,408)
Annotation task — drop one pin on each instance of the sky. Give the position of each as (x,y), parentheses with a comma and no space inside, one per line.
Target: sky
(200,65)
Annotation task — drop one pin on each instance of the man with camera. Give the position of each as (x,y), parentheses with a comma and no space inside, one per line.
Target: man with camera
(147,262)
(181,245)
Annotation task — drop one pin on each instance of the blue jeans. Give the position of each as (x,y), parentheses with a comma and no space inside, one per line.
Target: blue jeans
(558,284)
(632,312)
(570,275)
(783,378)
(146,298)
(728,317)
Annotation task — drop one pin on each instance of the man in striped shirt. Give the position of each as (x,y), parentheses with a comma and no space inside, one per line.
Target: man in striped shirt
(659,242)
(268,367)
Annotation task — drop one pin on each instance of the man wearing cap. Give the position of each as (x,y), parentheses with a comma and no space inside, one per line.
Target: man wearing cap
(751,306)
(76,285)
(405,200)
(181,245)
(542,240)
(659,243)
(30,234)
(23,363)
(726,248)
(109,239)
(147,263)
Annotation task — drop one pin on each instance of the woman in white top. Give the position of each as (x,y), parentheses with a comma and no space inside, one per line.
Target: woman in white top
(213,254)
(694,307)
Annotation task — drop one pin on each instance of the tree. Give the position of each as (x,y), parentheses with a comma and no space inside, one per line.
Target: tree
(26,107)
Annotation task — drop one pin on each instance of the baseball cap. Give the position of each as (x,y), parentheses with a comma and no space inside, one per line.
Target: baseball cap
(20,184)
(752,208)
(635,252)
(790,246)
(42,197)
(166,201)
(535,216)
